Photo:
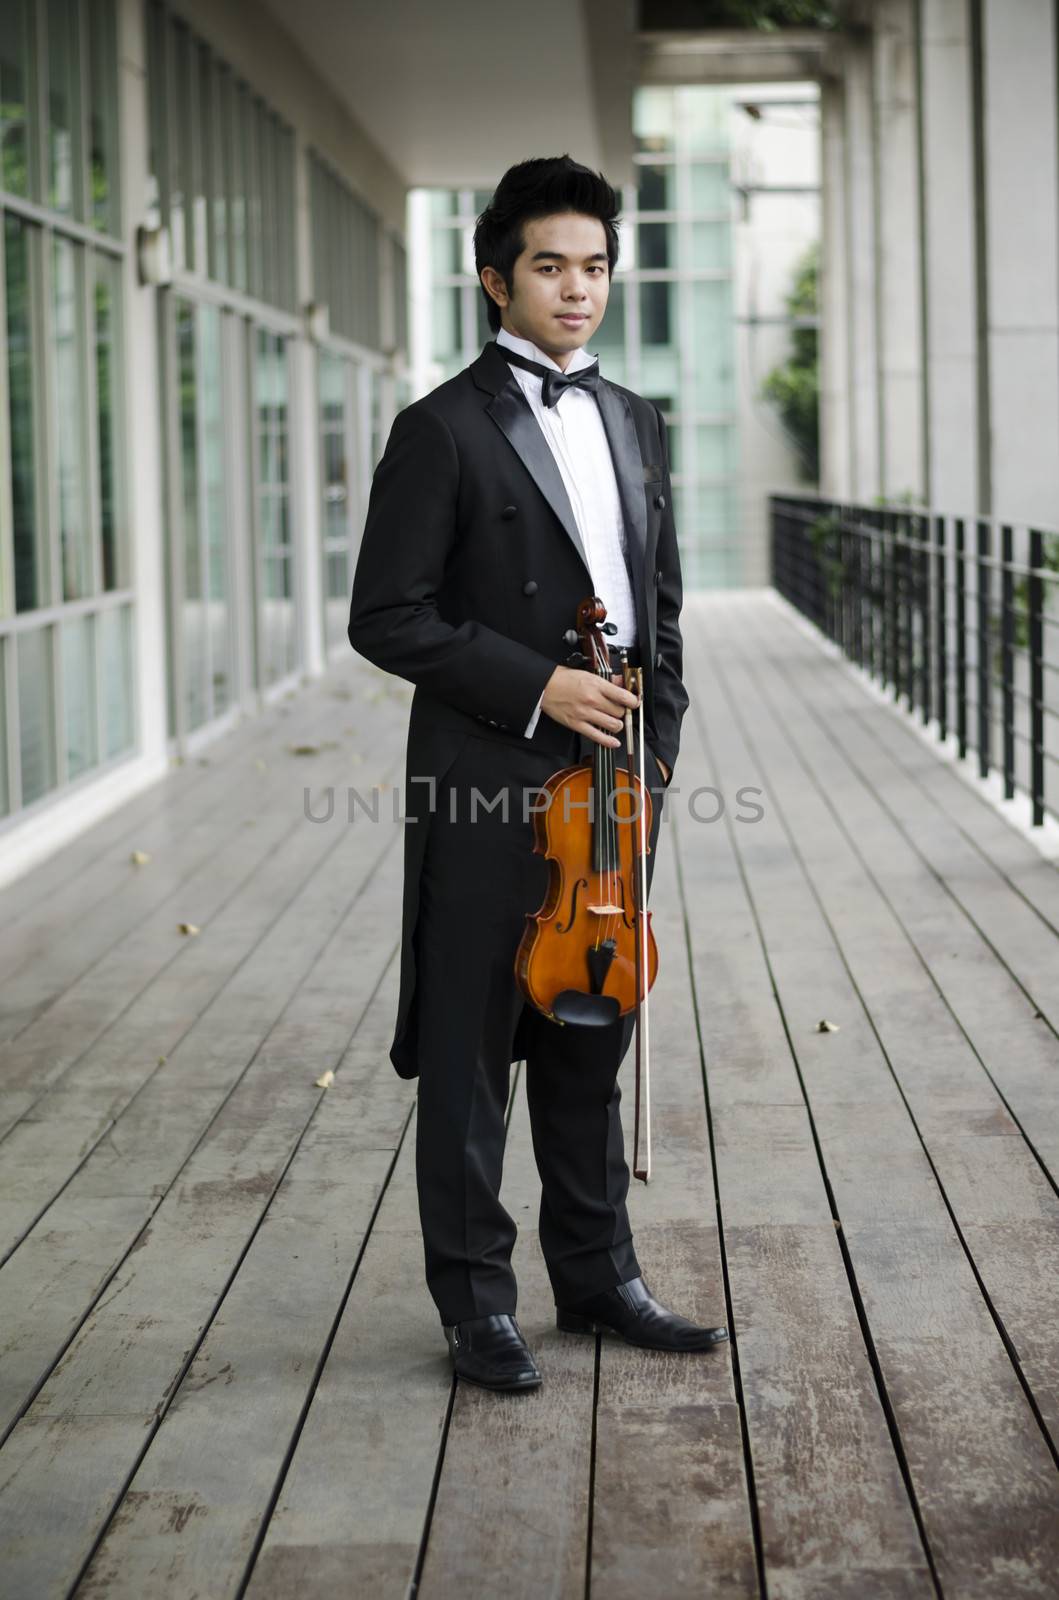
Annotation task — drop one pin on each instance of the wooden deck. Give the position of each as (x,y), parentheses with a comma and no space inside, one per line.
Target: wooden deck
(220,1372)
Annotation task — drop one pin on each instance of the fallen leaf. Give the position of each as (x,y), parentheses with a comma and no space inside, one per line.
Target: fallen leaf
(304,749)
(139,858)
(326,1080)
(823,1026)
(188,927)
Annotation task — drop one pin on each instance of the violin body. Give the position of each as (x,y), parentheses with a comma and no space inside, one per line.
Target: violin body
(577,960)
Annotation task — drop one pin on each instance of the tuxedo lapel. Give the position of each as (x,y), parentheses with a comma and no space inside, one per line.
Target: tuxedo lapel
(625,452)
(512,413)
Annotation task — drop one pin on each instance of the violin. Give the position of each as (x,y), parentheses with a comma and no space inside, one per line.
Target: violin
(588,957)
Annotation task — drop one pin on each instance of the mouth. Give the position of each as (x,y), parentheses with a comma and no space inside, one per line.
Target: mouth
(573,319)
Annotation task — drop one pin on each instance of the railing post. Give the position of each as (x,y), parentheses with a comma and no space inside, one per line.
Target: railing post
(985,677)
(941,629)
(890,601)
(1036,642)
(1007,657)
(961,639)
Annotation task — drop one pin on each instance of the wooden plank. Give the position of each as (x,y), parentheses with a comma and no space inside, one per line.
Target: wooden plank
(353,1501)
(204,1146)
(968,1013)
(48,1144)
(83,871)
(833,1510)
(511,1514)
(113,898)
(147,985)
(985,1508)
(190,1518)
(671,1509)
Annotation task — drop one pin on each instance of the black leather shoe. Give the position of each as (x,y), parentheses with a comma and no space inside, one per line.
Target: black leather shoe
(491,1352)
(631,1311)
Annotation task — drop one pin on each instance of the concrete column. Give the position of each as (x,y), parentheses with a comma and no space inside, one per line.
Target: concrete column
(897,250)
(833,343)
(1022,256)
(952,422)
(141,428)
(861,260)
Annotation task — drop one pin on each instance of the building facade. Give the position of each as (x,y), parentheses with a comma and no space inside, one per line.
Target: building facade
(202,301)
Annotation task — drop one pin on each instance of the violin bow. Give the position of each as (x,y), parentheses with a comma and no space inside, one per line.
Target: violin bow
(642,1117)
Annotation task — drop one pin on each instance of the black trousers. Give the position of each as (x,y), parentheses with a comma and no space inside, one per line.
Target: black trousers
(479,879)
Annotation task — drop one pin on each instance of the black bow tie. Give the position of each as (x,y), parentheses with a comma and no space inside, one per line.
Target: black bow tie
(553,383)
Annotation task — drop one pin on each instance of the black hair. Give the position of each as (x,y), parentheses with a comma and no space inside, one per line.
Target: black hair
(540,187)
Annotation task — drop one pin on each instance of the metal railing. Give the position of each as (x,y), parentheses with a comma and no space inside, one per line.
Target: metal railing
(950,612)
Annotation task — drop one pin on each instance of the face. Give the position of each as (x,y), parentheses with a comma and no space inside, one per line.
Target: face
(561,282)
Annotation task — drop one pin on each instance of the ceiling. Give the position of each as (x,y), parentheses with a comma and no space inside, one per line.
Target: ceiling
(455,91)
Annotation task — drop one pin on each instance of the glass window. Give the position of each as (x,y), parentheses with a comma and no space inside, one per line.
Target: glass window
(610,335)
(657,245)
(5,787)
(67,365)
(216,575)
(278,644)
(657,313)
(710,186)
(238,215)
(206,620)
(15,111)
(712,364)
(656,188)
(29,547)
(107,300)
(221,182)
(205,211)
(652,118)
(115,637)
(63,153)
(79,694)
(447,322)
(337,495)
(36,713)
(711,245)
(102,117)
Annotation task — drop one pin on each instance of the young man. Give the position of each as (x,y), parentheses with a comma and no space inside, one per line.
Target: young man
(505,497)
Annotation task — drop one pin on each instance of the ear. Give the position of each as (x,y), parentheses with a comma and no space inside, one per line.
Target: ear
(494,286)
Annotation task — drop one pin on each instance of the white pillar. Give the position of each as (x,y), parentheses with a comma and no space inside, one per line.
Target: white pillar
(862,343)
(142,416)
(897,251)
(952,423)
(1022,257)
(833,342)
(304,411)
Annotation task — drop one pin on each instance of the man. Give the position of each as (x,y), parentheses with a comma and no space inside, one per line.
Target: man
(505,497)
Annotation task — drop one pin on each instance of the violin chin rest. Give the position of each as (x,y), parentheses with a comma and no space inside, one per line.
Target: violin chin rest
(585,1010)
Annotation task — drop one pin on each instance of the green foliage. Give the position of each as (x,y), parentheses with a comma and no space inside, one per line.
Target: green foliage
(794,387)
(1020,602)
(769,15)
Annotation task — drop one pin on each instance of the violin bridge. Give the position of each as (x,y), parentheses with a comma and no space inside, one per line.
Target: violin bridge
(605,911)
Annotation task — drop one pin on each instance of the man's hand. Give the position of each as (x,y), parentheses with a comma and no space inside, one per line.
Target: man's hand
(588,703)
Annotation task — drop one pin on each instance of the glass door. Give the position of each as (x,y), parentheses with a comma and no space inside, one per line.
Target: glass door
(278,645)
(202,679)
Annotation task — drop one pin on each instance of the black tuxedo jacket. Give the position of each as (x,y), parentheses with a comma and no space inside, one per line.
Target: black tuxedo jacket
(471,570)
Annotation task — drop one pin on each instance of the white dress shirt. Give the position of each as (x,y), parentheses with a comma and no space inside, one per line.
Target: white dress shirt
(577,439)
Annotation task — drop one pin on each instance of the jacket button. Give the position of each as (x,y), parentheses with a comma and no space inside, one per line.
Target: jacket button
(658,659)
(530,587)
(508,512)
(660,502)
(658,577)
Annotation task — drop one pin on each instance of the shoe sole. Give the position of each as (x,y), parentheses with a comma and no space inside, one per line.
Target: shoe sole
(569,1322)
(502,1388)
